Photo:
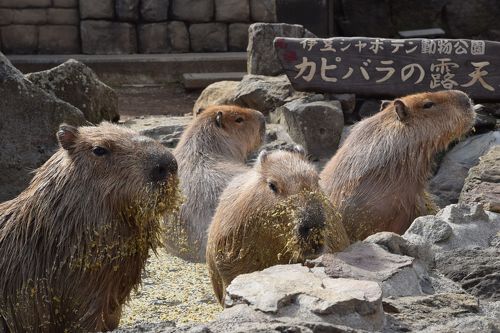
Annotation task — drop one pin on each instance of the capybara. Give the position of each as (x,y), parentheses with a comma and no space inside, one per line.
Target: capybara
(74,243)
(211,151)
(377,180)
(273,214)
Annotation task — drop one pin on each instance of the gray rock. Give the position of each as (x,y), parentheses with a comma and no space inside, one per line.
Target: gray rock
(208,37)
(476,270)
(153,38)
(26,3)
(77,84)
(466,19)
(96,9)
(263,10)
(59,39)
(368,108)
(154,10)
(262,58)
(127,10)
(65,3)
(105,37)
(357,22)
(492,109)
(238,36)
(317,126)
(193,10)
(30,119)
(447,184)
(178,37)
(63,16)
(167,130)
(19,39)
(26,16)
(232,10)
(484,123)
(483,182)
(293,291)
(424,14)
(222,92)
(398,275)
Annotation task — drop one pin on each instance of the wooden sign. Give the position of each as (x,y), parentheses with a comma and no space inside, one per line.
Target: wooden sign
(391,67)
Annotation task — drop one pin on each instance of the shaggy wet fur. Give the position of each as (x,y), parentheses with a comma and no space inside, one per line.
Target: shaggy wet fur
(261,218)
(211,151)
(74,243)
(377,179)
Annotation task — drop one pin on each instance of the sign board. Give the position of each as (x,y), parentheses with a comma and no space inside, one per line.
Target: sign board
(391,67)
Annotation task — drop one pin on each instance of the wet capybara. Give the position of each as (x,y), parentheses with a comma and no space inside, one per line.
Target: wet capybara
(212,150)
(273,214)
(74,243)
(377,179)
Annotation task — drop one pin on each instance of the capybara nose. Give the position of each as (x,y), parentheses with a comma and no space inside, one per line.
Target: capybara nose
(311,218)
(163,169)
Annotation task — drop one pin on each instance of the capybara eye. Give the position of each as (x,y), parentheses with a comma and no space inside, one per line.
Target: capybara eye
(99,151)
(428,105)
(239,120)
(273,187)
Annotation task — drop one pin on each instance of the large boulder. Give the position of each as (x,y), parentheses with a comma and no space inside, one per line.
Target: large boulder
(222,92)
(77,84)
(467,19)
(262,58)
(483,182)
(447,184)
(30,119)
(167,130)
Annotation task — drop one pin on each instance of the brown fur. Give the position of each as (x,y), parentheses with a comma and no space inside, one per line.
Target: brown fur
(255,227)
(377,179)
(74,243)
(209,156)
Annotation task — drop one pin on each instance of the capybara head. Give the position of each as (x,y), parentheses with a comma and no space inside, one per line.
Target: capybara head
(227,130)
(274,214)
(73,244)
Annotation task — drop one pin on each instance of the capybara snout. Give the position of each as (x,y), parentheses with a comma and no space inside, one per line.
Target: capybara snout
(164,167)
(310,219)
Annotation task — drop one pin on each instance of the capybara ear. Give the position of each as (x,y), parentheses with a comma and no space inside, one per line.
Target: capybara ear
(262,158)
(218,119)
(384,103)
(401,109)
(66,136)
(200,110)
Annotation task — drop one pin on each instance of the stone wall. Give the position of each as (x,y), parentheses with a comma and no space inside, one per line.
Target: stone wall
(129,26)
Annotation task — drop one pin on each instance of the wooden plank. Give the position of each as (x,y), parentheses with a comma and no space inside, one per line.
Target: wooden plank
(391,67)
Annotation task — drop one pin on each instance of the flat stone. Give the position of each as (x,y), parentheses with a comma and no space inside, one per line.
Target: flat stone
(178,37)
(27,16)
(193,10)
(59,39)
(26,3)
(208,37)
(65,3)
(238,36)
(64,16)
(153,38)
(295,291)
(482,184)
(96,9)
(154,10)
(127,10)
(104,37)
(263,10)
(77,84)
(232,10)
(167,130)
(19,39)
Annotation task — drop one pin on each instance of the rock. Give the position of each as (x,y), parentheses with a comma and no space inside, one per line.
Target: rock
(193,10)
(447,184)
(232,10)
(470,226)
(398,275)
(467,19)
(262,58)
(238,36)
(295,291)
(167,130)
(105,37)
(63,16)
(208,37)
(153,38)
(96,9)
(127,10)
(424,14)
(26,3)
(263,10)
(484,123)
(178,37)
(368,108)
(222,92)
(19,39)
(30,119)
(65,3)
(59,39)
(476,270)
(31,16)
(492,109)
(483,182)
(78,85)
(154,10)
(356,21)
(317,126)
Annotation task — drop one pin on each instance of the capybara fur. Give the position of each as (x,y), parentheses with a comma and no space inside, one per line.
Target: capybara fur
(211,151)
(378,178)
(273,214)
(74,243)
